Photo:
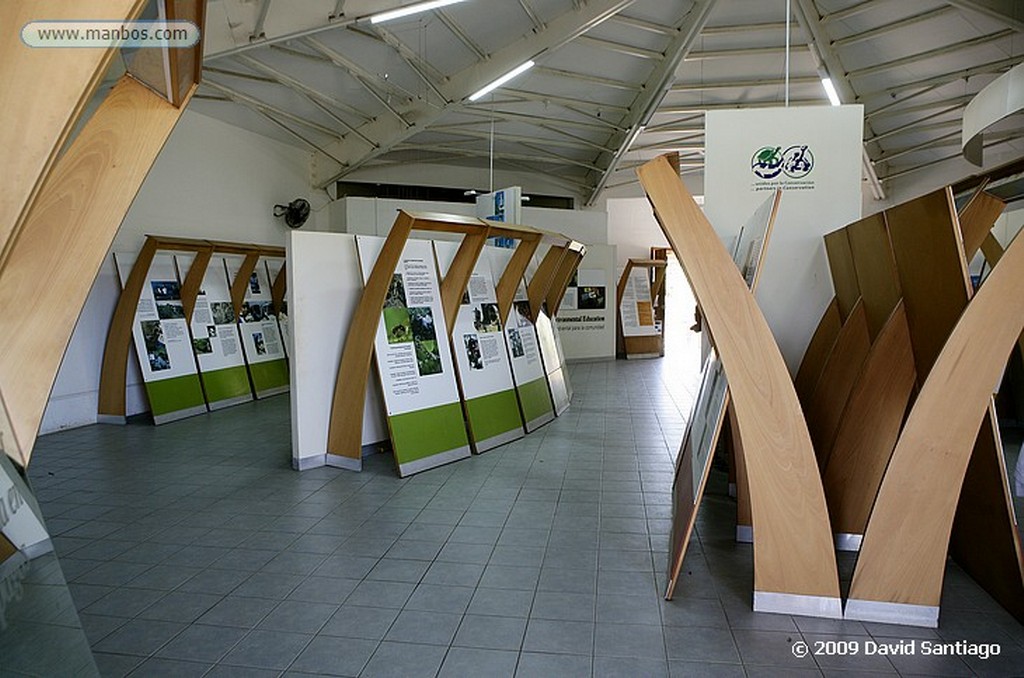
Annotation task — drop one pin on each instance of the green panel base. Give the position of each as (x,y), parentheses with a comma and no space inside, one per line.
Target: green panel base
(424,433)
(229,383)
(535,398)
(175,394)
(493,415)
(269,376)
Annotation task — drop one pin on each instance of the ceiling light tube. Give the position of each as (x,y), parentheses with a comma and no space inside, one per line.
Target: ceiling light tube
(487,89)
(830,90)
(409,10)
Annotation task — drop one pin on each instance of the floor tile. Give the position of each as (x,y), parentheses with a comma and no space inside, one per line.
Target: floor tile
(238,611)
(353,621)
(566,637)
(202,643)
(431,628)
(334,657)
(298,616)
(539,665)
(404,660)
(267,649)
(440,598)
(496,633)
(139,637)
(479,663)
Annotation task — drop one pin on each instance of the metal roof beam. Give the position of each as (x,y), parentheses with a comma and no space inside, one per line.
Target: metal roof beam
(999,66)
(261,19)
(457,31)
(581,77)
(916,126)
(644,25)
(742,52)
(256,104)
(939,51)
(619,47)
(702,108)
(996,140)
(843,14)
(952,102)
(657,85)
(538,25)
(1007,13)
(355,70)
(744,28)
(505,136)
(484,153)
(890,27)
(745,84)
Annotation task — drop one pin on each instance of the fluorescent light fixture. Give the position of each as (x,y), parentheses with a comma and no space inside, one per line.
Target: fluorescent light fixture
(830,90)
(486,89)
(409,10)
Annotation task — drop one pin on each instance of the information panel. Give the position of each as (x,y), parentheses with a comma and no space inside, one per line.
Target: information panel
(414,361)
(481,357)
(274,272)
(216,341)
(528,374)
(636,308)
(163,343)
(261,337)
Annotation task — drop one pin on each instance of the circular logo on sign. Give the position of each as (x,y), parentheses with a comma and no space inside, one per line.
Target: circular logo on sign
(767,162)
(797,161)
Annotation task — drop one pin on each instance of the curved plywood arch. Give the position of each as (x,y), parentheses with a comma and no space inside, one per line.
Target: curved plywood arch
(977,219)
(902,562)
(539,285)
(794,560)
(818,350)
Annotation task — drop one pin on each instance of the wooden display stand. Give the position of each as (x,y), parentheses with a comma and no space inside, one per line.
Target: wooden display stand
(645,345)
(794,562)
(114,369)
(63,212)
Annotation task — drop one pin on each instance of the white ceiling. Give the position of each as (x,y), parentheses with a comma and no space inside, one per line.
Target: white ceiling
(616,81)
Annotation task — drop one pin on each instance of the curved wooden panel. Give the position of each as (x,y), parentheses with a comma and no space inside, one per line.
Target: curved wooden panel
(194,281)
(454,284)
(345,432)
(932,270)
(37,120)
(844,274)
(794,558)
(992,250)
(560,281)
(744,521)
(977,219)
(64,240)
(512,276)
(876,270)
(241,281)
(825,409)
(278,288)
(540,283)
(903,556)
(822,341)
(870,427)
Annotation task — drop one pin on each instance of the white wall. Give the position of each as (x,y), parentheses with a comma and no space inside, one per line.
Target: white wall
(212,180)
(633,229)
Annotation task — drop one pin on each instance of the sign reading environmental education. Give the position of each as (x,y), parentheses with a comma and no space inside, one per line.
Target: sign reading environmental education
(163,343)
(636,308)
(216,340)
(261,337)
(414,361)
(814,155)
(492,410)
(531,382)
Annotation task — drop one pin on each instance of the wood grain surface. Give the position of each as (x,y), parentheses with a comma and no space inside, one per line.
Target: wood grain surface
(844,273)
(818,350)
(875,266)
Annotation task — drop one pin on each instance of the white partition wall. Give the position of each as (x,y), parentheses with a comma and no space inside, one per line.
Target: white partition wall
(324,286)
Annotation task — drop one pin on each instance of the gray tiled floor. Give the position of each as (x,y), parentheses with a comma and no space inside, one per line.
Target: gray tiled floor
(192,548)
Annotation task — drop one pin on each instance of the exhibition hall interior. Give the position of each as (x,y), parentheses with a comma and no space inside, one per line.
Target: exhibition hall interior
(511,338)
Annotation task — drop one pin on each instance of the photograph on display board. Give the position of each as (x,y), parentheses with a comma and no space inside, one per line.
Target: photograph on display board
(261,346)
(523,316)
(202,345)
(428,358)
(170,311)
(473,354)
(257,311)
(515,343)
(223,312)
(485,318)
(254,283)
(156,348)
(166,290)
(396,292)
(591,298)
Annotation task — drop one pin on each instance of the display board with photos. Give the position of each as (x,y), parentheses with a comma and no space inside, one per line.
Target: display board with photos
(216,340)
(481,356)
(275,274)
(414,361)
(163,342)
(708,414)
(261,336)
(528,373)
(636,307)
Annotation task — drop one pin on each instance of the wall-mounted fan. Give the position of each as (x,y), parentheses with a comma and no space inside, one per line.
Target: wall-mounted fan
(295,213)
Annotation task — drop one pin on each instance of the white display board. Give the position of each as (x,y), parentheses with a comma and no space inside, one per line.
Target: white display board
(814,155)
(523,349)
(636,308)
(586,318)
(215,338)
(325,285)
(481,356)
(414,361)
(261,337)
(274,266)
(163,343)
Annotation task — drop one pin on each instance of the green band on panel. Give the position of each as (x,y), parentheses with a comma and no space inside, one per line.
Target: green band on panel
(226,384)
(424,433)
(269,375)
(535,398)
(493,415)
(175,394)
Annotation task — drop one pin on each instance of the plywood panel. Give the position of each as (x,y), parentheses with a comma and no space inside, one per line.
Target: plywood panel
(193,281)
(560,281)
(844,274)
(870,427)
(513,275)
(903,555)
(64,240)
(876,270)
(825,409)
(818,350)
(793,542)
(454,284)
(933,274)
(44,92)
(279,288)
(540,283)
(977,219)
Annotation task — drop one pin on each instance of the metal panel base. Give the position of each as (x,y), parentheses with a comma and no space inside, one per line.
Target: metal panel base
(794,603)
(230,402)
(535,424)
(278,390)
(180,414)
(499,440)
(906,614)
(115,419)
(745,534)
(848,542)
(347,463)
(642,356)
(408,468)
(306,463)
